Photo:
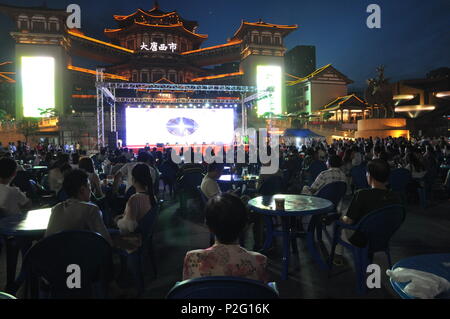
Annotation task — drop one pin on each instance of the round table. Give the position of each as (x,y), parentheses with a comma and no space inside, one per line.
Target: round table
(437,264)
(295,205)
(31,225)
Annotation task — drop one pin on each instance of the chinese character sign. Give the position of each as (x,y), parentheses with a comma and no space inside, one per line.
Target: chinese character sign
(154,47)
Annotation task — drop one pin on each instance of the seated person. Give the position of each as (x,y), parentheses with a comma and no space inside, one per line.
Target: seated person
(331,175)
(77,213)
(226,217)
(12,200)
(87,165)
(209,186)
(366,201)
(267,177)
(126,169)
(140,203)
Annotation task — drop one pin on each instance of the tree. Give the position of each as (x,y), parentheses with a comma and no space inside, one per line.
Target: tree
(379,93)
(49,112)
(4,116)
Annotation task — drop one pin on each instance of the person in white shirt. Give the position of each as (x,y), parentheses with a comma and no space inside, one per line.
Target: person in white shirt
(331,175)
(12,200)
(77,213)
(209,185)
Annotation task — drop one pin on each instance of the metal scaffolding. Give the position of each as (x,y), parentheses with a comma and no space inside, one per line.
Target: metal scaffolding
(176,101)
(108,90)
(176,87)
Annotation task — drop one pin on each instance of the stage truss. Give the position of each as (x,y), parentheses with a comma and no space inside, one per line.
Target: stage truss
(108,90)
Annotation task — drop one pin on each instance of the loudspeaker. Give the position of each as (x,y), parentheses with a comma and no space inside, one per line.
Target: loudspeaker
(112,140)
(160,145)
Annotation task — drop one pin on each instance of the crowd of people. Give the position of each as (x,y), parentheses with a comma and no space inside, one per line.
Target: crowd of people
(117,188)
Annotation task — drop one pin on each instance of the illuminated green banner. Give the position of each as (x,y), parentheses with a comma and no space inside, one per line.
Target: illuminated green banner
(38,85)
(269,77)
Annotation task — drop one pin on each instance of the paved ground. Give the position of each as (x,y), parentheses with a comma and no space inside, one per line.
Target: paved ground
(424,231)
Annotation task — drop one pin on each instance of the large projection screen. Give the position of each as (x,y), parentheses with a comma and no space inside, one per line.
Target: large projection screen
(182,126)
(38,85)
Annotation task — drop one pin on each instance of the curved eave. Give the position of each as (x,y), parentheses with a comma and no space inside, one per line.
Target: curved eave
(219,76)
(343,99)
(82,36)
(122,17)
(213,47)
(285,28)
(180,26)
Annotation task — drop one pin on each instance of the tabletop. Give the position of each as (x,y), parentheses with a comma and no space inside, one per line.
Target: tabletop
(34,222)
(437,264)
(294,205)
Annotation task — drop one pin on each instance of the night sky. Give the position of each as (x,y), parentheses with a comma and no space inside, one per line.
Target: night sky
(414,37)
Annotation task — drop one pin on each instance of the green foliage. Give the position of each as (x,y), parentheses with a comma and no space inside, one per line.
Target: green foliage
(49,112)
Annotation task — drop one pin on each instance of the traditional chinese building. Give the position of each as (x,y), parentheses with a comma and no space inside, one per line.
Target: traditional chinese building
(147,46)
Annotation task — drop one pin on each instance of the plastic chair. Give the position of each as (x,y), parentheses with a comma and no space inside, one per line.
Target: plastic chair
(168,176)
(22,180)
(50,258)
(314,170)
(376,228)
(359,178)
(187,186)
(223,288)
(271,186)
(334,192)
(135,260)
(212,238)
(399,180)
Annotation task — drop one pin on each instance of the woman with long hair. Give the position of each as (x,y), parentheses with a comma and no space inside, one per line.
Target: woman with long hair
(140,203)
(87,164)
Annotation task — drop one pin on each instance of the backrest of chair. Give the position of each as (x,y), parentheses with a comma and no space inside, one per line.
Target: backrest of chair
(271,186)
(22,180)
(190,181)
(167,171)
(222,288)
(316,168)
(202,195)
(147,224)
(334,192)
(51,257)
(380,225)
(399,179)
(359,178)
